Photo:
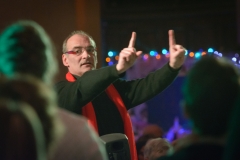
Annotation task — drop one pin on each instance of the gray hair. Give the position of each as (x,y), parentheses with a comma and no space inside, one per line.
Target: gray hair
(79,32)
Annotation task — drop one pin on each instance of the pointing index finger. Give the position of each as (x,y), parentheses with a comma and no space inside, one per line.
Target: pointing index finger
(132,40)
(171,36)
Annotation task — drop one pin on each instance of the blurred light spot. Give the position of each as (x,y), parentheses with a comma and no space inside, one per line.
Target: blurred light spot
(197,55)
(110,53)
(153,53)
(145,56)
(110,63)
(164,51)
(234,59)
(191,54)
(210,50)
(108,59)
(158,56)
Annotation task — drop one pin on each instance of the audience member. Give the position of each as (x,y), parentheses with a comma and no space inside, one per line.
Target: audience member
(210,92)
(21,135)
(140,144)
(41,98)
(25,48)
(155,148)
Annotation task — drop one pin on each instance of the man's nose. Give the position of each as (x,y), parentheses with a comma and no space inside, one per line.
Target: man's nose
(85,54)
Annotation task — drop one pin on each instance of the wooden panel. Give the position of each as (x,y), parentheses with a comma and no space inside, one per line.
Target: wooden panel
(88,20)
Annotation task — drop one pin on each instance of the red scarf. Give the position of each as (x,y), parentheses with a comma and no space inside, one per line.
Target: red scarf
(88,111)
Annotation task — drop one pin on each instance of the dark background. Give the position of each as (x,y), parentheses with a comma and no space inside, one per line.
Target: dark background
(198,24)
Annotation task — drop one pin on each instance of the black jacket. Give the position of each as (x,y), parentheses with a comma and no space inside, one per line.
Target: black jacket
(90,87)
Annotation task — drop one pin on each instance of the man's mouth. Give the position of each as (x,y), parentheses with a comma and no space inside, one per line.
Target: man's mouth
(86,63)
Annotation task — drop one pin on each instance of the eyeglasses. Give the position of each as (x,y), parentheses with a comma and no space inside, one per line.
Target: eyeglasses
(80,50)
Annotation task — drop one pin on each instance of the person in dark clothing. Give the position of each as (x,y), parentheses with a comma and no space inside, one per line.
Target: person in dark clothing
(210,92)
(107,111)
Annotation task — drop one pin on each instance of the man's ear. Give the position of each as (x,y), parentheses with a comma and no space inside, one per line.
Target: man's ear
(65,60)
(96,61)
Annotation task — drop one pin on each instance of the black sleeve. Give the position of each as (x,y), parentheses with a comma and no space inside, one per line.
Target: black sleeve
(137,91)
(74,95)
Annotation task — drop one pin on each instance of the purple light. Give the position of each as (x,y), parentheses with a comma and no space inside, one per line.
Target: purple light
(110,63)
(145,56)
(234,59)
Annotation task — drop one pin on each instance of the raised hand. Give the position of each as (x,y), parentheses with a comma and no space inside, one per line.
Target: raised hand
(128,56)
(177,52)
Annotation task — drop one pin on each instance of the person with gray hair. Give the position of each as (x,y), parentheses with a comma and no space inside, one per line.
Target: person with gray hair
(107,110)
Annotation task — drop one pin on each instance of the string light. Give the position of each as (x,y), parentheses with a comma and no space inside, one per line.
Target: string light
(191,54)
(153,53)
(110,53)
(210,50)
(108,59)
(110,63)
(113,58)
(145,56)
(158,56)
(197,55)
(234,59)
(164,51)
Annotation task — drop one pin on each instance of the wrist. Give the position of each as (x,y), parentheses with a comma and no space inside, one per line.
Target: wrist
(174,67)
(119,69)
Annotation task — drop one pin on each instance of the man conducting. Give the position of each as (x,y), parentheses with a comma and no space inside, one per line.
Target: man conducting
(101,95)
